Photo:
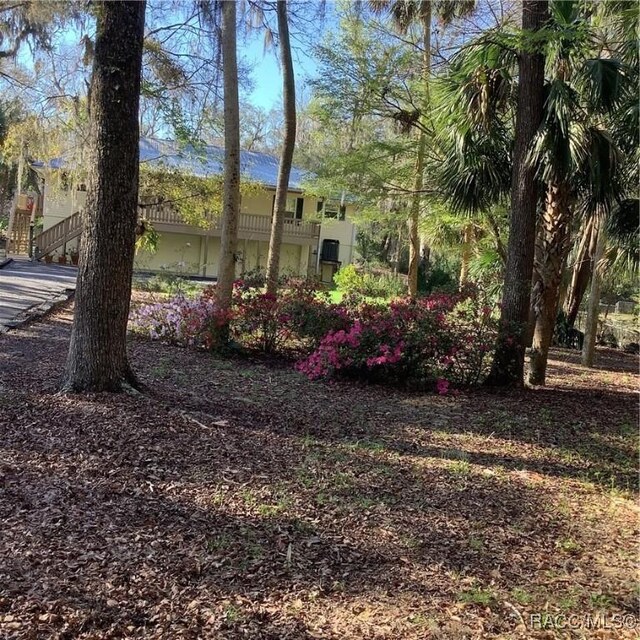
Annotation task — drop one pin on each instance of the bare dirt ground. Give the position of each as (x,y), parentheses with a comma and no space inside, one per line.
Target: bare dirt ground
(239,500)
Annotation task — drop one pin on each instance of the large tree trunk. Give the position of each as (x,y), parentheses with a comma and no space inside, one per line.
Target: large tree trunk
(231,188)
(591,324)
(553,240)
(414,217)
(282,188)
(97,359)
(508,363)
(581,271)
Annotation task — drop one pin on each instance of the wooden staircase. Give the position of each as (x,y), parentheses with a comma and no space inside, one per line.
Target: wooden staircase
(59,235)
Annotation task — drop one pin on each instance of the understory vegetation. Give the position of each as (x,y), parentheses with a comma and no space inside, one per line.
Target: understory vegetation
(431,342)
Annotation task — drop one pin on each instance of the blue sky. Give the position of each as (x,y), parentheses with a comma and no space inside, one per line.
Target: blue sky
(267,92)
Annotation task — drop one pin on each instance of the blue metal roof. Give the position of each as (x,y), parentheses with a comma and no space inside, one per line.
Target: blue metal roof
(208,160)
(205,160)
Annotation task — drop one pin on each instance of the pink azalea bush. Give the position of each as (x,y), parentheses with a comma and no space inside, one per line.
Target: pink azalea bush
(437,342)
(434,341)
(297,318)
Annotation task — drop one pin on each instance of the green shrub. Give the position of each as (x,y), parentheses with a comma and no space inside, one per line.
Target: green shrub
(348,280)
(369,284)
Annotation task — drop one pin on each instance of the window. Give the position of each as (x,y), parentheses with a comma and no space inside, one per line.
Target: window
(332,209)
(294,208)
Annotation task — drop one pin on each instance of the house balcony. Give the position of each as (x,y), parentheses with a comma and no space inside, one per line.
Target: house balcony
(251,226)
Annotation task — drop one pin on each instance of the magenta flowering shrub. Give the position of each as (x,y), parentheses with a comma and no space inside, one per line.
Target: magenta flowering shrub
(260,320)
(180,321)
(297,318)
(435,341)
(310,313)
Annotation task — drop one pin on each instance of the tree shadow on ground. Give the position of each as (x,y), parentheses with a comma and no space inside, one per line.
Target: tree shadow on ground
(131,530)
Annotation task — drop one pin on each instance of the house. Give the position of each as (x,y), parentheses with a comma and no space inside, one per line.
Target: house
(319,234)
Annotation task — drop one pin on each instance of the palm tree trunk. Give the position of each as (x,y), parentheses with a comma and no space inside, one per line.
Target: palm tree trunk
(581,271)
(591,325)
(282,188)
(97,359)
(467,238)
(508,364)
(231,187)
(553,243)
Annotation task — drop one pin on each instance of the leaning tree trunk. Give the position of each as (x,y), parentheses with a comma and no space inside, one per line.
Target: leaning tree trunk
(591,324)
(231,187)
(97,359)
(508,364)
(282,188)
(581,271)
(553,243)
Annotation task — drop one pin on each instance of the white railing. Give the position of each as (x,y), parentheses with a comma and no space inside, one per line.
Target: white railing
(248,222)
(59,234)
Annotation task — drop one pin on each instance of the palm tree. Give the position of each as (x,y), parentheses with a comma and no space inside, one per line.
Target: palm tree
(405,13)
(617,34)
(576,157)
(286,158)
(572,155)
(508,364)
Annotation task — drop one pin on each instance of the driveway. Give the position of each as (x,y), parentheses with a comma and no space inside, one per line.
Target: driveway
(25,284)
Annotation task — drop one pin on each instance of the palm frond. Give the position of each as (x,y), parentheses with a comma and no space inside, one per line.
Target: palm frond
(604,82)
(622,229)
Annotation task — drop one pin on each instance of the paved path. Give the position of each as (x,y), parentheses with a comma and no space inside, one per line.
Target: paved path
(25,284)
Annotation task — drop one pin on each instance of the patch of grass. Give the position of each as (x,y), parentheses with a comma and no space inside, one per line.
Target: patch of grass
(628,430)
(521,596)
(341,480)
(477,595)
(219,495)
(365,502)
(600,600)
(477,544)
(369,445)
(308,441)
(410,542)
(568,602)
(232,614)
(163,368)
(460,468)
(249,497)
(420,620)
(569,546)
(269,510)
(219,542)
(305,477)
(323,498)
(454,454)
(545,417)
(169,284)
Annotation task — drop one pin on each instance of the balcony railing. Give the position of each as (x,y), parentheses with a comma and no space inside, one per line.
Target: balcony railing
(251,227)
(249,224)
